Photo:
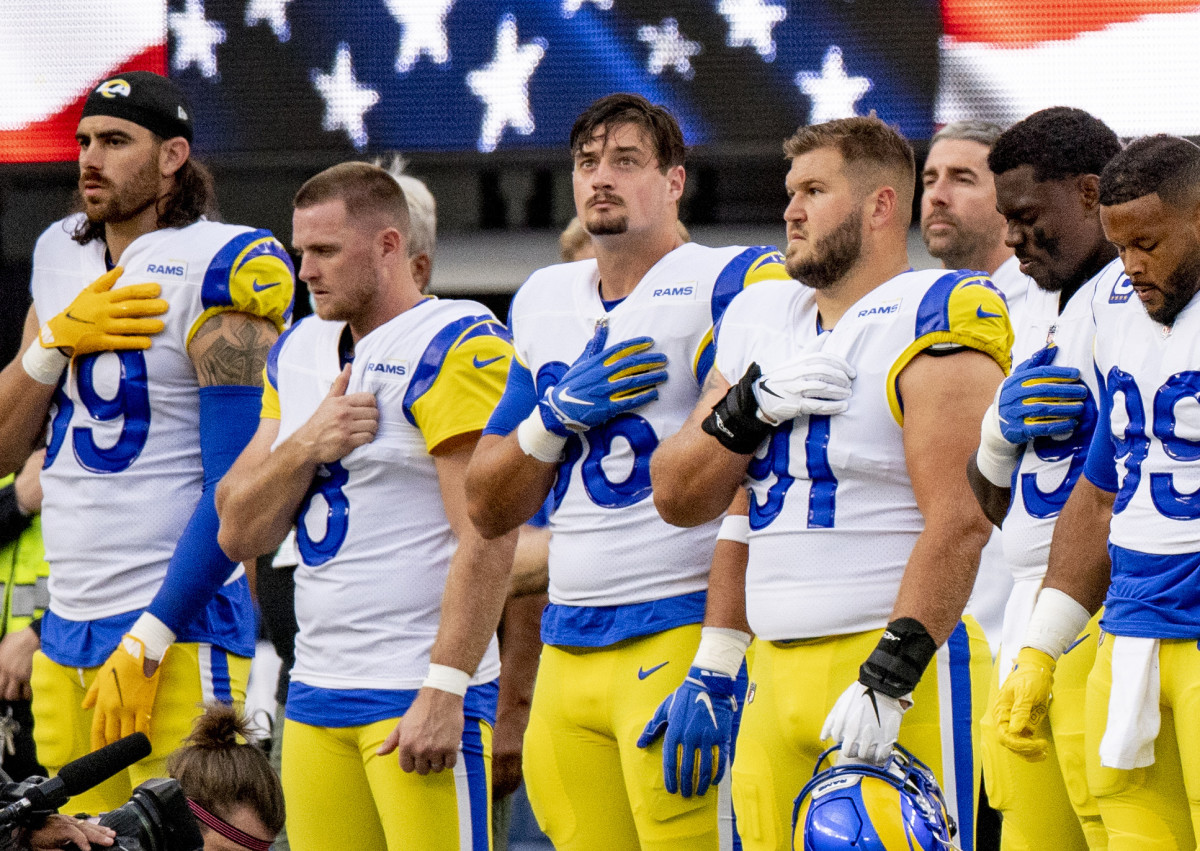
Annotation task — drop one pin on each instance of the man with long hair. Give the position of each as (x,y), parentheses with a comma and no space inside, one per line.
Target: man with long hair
(150,377)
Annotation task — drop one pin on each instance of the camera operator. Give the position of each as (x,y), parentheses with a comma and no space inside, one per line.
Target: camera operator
(230,785)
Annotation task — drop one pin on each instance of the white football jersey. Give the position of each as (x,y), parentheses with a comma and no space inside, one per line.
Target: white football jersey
(1018,288)
(833,517)
(372,534)
(1049,467)
(1152,374)
(608,546)
(123,473)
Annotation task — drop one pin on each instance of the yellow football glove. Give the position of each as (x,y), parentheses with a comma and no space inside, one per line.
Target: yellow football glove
(102,319)
(122,694)
(1022,704)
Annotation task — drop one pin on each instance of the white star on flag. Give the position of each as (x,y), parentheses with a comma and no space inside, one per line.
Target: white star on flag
(274,13)
(196,39)
(423,25)
(503,85)
(570,7)
(345,100)
(833,94)
(750,24)
(668,48)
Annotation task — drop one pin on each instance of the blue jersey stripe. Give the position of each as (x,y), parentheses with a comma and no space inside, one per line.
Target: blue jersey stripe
(959,646)
(477,786)
(934,312)
(219,665)
(273,355)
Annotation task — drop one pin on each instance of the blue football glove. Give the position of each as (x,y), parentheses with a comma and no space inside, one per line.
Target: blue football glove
(603,383)
(1039,400)
(698,720)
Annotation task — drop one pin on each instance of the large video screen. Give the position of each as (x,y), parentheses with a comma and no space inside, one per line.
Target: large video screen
(488,76)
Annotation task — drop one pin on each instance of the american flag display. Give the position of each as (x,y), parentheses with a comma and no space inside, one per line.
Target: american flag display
(272,76)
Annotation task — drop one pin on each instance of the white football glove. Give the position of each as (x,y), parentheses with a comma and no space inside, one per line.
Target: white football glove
(866,723)
(811,383)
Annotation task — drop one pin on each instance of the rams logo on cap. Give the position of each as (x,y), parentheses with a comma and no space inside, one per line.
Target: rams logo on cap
(112,88)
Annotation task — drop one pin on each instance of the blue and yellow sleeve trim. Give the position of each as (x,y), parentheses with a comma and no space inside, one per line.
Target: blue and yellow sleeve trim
(459,380)
(761,263)
(252,273)
(961,308)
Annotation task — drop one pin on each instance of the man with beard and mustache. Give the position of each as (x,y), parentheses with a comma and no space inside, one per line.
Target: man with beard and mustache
(611,353)
(848,405)
(1032,450)
(147,617)
(1127,536)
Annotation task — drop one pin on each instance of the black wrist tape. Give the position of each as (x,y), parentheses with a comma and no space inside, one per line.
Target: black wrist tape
(734,420)
(899,659)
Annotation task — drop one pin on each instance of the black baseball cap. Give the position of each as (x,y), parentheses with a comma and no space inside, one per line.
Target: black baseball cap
(145,98)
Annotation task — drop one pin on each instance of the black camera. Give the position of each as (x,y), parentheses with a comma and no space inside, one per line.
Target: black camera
(155,818)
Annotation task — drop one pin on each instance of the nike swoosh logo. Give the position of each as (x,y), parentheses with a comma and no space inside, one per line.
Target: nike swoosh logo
(567,397)
(762,385)
(1077,642)
(480,364)
(703,698)
(259,288)
(983,314)
(77,319)
(643,673)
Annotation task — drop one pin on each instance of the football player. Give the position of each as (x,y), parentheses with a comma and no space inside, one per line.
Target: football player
(1135,505)
(1047,186)
(848,404)
(154,328)
(610,356)
(370,412)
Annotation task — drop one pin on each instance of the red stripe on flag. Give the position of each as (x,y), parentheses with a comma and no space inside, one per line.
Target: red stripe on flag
(53,138)
(1021,23)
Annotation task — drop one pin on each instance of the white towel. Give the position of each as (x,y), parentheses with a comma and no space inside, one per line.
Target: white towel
(1016,621)
(1133,704)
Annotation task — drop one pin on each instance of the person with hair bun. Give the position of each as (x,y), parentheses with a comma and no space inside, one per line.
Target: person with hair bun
(230,785)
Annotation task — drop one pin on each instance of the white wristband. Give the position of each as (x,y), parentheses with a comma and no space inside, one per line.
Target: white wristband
(1057,621)
(539,442)
(736,528)
(996,457)
(43,365)
(721,650)
(445,678)
(155,636)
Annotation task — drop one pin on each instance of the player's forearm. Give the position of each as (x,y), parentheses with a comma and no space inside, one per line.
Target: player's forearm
(24,405)
(476,590)
(505,487)
(941,573)
(694,477)
(1079,562)
(531,564)
(520,649)
(726,603)
(993,500)
(259,497)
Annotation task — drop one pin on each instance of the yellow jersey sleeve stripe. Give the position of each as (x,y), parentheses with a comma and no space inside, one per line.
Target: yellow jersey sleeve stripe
(961,308)
(459,379)
(252,274)
(760,263)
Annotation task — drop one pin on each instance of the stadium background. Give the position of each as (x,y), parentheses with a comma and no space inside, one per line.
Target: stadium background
(479,96)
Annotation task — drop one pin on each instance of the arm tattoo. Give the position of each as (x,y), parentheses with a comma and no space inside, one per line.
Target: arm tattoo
(231,348)
(711,380)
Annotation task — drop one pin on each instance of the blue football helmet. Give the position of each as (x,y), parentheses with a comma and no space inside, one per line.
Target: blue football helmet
(893,807)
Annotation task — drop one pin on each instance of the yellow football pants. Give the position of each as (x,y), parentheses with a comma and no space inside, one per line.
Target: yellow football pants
(1158,807)
(191,676)
(591,787)
(793,687)
(1046,804)
(341,794)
